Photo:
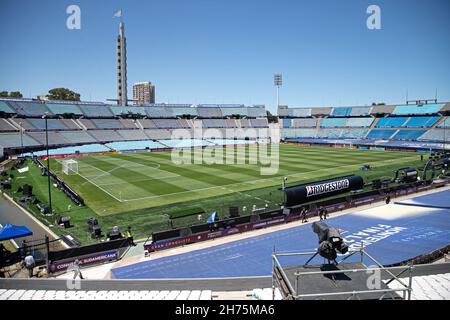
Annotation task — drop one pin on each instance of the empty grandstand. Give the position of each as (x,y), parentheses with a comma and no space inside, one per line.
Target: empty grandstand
(22,127)
(394,125)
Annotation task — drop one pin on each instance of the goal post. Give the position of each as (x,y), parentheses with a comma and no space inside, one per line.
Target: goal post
(69,166)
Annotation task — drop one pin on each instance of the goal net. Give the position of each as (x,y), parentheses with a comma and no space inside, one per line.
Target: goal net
(69,167)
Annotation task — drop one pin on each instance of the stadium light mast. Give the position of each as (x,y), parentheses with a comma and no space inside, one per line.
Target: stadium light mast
(45,116)
(278,81)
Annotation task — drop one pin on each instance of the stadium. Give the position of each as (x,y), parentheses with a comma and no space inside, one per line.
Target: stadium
(191,201)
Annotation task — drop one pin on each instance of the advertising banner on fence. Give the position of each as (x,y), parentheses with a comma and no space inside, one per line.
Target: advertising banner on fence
(62,265)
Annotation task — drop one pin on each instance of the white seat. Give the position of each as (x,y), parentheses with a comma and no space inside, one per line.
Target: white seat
(28,295)
(194,295)
(172,295)
(5,295)
(184,295)
(161,295)
(206,295)
(16,295)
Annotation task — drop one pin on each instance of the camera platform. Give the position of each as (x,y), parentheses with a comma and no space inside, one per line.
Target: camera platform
(338,281)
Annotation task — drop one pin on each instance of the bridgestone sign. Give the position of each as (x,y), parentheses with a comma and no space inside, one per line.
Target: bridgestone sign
(308,192)
(315,190)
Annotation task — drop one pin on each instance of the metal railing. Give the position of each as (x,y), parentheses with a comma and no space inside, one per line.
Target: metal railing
(294,289)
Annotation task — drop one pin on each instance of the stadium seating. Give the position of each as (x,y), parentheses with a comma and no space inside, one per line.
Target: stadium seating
(106,135)
(360,111)
(107,123)
(380,134)
(167,123)
(244,123)
(147,123)
(13,140)
(159,112)
(391,122)
(88,124)
(303,123)
(158,134)
(70,124)
(132,134)
(354,133)
(231,123)
(5,126)
(382,109)
(123,111)
(22,123)
(359,122)
(209,112)
(128,123)
(256,112)
(4,107)
(341,112)
(444,124)
(105,295)
(298,133)
(421,122)
(259,123)
(53,139)
(332,122)
(180,111)
(417,109)
(286,123)
(435,135)
(96,111)
(76,137)
(320,111)
(60,108)
(30,109)
(232,111)
(52,124)
(214,123)
(408,134)
(300,112)
(329,133)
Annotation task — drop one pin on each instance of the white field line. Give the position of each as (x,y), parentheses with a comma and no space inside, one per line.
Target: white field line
(100,187)
(139,180)
(136,165)
(260,180)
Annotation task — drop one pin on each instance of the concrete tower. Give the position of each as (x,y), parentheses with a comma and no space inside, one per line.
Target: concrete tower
(122,67)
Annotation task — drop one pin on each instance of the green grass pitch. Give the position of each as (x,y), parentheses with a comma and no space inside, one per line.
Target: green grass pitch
(141,189)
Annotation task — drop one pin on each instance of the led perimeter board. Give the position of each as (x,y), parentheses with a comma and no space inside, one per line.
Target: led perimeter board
(308,192)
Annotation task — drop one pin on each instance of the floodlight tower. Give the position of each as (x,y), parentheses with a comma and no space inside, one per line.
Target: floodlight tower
(278,81)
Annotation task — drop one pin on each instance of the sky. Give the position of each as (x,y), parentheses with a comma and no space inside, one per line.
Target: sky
(227,51)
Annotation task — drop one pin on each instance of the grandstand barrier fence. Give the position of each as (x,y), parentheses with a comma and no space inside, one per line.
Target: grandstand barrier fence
(198,233)
(92,254)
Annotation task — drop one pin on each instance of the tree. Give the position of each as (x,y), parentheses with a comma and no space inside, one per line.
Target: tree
(12,94)
(15,94)
(63,94)
(271,118)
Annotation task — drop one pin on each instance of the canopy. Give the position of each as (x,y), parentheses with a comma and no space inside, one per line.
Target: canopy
(11,232)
